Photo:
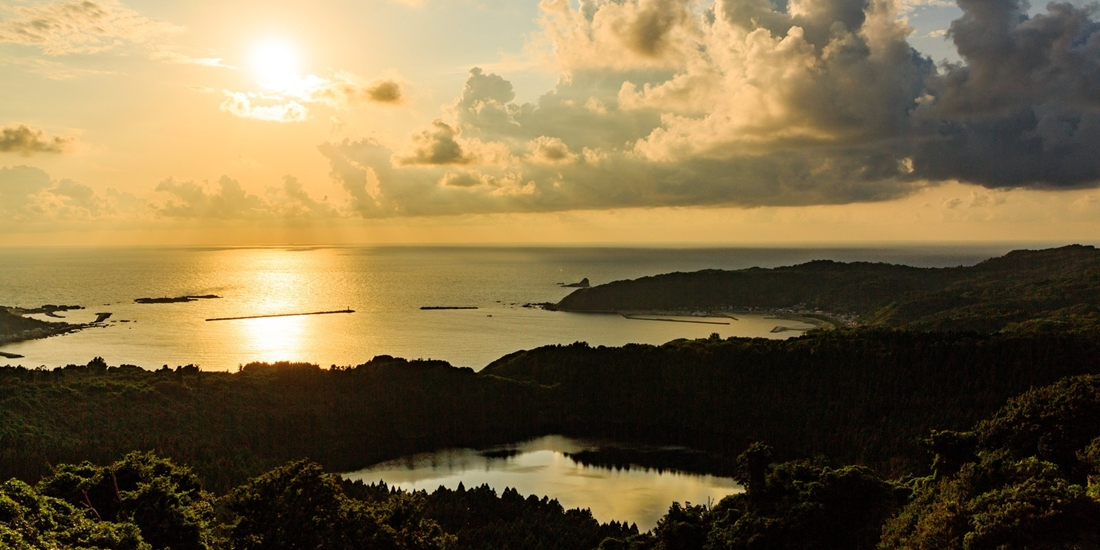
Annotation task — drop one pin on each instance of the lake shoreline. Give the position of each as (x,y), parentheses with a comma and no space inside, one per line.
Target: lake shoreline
(578,472)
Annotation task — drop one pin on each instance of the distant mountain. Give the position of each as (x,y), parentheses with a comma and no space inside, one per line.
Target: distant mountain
(1025,290)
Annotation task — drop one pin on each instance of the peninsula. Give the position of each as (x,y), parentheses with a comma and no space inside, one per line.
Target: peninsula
(14,327)
(1022,291)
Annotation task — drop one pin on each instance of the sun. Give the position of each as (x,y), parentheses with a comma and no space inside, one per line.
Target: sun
(276,63)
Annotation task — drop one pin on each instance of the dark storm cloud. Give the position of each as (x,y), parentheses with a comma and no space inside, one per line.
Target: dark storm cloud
(1023,109)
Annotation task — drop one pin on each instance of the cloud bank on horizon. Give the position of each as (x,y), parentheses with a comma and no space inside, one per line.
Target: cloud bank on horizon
(686,103)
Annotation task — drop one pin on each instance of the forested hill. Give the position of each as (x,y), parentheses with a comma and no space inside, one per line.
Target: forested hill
(1024,290)
(863,396)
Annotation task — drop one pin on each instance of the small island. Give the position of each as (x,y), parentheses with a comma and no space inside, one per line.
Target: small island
(175,300)
(583,283)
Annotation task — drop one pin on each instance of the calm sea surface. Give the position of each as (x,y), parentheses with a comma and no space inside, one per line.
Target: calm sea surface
(386,286)
(543,467)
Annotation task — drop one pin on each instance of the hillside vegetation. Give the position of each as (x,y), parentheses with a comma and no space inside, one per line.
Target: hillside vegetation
(1054,290)
(861,397)
(1025,477)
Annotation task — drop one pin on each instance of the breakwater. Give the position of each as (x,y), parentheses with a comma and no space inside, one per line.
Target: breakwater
(281,315)
(671,320)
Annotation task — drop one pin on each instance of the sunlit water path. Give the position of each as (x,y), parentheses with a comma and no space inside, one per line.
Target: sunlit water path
(541,467)
(386,286)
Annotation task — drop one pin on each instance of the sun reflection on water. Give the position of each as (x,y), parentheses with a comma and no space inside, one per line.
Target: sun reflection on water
(273,338)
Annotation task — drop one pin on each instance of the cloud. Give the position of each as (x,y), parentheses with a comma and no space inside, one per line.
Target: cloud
(908,6)
(176,57)
(346,91)
(1023,108)
(752,103)
(293,94)
(21,139)
(228,200)
(437,145)
(90,27)
(292,201)
(48,68)
(190,200)
(550,150)
(641,33)
(19,187)
(240,104)
(29,194)
(384,91)
(79,27)
(465,179)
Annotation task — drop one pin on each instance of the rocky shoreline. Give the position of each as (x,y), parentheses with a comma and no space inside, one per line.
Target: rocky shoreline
(16,327)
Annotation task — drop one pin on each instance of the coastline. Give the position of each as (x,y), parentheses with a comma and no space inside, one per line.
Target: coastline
(819,319)
(14,327)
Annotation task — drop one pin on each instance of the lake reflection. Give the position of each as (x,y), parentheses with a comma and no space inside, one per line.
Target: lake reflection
(541,467)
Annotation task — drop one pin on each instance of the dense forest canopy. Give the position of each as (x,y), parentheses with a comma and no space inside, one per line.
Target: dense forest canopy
(1025,477)
(861,396)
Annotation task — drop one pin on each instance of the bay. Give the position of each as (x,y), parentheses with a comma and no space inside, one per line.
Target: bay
(385,286)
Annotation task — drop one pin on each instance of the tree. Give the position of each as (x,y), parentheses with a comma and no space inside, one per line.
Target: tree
(163,500)
(299,507)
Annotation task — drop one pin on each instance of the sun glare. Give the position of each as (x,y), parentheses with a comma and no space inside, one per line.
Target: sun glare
(275,63)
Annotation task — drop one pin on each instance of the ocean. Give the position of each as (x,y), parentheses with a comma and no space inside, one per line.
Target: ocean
(386,286)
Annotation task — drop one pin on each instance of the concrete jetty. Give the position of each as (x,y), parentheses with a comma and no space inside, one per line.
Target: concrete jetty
(670,320)
(281,315)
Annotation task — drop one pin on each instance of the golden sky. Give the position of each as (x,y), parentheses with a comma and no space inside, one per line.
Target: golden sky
(627,121)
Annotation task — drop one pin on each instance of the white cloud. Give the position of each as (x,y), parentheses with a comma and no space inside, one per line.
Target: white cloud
(176,57)
(292,94)
(626,35)
(241,105)
(227,199)
(29,194)
(79,27)
(909,6)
